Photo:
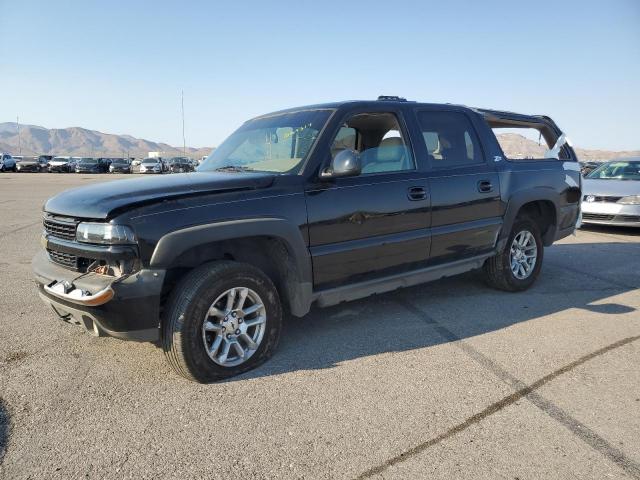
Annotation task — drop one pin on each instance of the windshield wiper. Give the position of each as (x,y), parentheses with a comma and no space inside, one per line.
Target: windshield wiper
(233,168)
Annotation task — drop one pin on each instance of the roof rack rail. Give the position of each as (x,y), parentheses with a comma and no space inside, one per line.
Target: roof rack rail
(392,98)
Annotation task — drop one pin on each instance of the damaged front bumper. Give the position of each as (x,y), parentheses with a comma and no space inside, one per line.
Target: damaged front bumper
(70,293)
(126,307)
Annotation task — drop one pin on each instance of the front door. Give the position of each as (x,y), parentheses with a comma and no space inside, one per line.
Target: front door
(376,223)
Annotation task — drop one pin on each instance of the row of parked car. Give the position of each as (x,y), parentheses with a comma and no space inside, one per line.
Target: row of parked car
(49,163)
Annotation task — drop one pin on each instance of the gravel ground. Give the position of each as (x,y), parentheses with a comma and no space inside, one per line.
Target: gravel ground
(446,380)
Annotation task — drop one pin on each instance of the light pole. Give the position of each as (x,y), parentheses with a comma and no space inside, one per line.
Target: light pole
(184,142)
(19,140)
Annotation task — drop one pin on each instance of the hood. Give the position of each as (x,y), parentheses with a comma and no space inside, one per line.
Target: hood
(102,200)
(614,188)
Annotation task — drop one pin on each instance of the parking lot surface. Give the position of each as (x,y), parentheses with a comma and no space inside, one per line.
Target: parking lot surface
(446,380)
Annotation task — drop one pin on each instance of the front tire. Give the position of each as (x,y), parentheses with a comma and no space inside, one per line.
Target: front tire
(222,319)
(517,267)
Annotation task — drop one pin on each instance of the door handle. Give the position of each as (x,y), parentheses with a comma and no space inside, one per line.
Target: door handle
(417,193)
(485,186)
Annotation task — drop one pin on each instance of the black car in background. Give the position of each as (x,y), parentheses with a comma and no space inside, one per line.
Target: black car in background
(29,164)
(180,165)
(120,165)
(92,165)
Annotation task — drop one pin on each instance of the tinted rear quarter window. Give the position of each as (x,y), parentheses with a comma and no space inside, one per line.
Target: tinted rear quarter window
(450,139)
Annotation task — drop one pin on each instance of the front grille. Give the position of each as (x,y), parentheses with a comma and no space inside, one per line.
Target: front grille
(611,218)
(628,218)
(602,198)
(59,228)
(69,260)
(597,216)
(64,259)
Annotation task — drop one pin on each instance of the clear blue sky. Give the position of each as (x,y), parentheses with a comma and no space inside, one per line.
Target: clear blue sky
(119,66)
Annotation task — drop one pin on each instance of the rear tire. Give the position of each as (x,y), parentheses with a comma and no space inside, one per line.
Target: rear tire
(507,270)
(190,330)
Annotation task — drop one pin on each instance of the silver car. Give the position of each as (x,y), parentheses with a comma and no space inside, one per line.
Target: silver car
(611,194)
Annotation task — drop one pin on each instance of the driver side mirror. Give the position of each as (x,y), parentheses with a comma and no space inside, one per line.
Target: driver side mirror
(346,163)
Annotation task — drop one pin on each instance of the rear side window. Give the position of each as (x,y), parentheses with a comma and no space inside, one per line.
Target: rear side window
(528,143)
(450,139)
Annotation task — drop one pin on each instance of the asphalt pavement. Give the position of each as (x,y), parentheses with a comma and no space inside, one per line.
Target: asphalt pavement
(446,380)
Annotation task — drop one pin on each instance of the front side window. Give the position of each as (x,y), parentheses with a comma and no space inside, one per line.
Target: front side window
(450,139)
(276,143)
(378,139)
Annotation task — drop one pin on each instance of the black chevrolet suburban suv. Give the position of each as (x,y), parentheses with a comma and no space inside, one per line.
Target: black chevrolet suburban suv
(312,205)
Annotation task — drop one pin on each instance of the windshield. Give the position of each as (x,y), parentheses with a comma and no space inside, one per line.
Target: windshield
(277,143)
(60,159)
(87,161)
(119,160)
(617,171)
(150,162)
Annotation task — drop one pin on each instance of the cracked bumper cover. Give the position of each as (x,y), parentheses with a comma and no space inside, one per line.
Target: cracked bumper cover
(128,308)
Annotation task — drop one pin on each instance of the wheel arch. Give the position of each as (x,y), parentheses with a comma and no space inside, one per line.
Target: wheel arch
(541,204)
(272,244)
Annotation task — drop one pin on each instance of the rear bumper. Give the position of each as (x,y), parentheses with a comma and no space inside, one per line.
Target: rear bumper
(131,312)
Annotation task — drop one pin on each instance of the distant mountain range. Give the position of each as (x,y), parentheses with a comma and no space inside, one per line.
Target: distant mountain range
(76,141)
(80,142)
(518,146)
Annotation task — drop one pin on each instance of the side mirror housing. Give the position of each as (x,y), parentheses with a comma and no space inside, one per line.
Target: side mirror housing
(346,163)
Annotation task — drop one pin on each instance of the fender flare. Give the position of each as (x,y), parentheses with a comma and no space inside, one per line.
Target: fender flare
(517,200)
(299,293)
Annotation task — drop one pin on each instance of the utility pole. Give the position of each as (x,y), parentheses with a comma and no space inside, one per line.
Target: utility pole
(184,142)
(19,140)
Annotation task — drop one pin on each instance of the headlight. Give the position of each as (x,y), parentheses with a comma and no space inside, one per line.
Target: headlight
(105,233)
(630,200)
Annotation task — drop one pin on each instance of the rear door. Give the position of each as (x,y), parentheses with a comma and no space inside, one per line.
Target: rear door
(376,223)
(464,186)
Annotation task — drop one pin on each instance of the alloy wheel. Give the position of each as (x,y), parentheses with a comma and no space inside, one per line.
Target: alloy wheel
(523,254)
(234,326)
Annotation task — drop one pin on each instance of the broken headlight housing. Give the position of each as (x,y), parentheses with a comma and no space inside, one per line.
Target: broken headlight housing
(104,233)
(630,200)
